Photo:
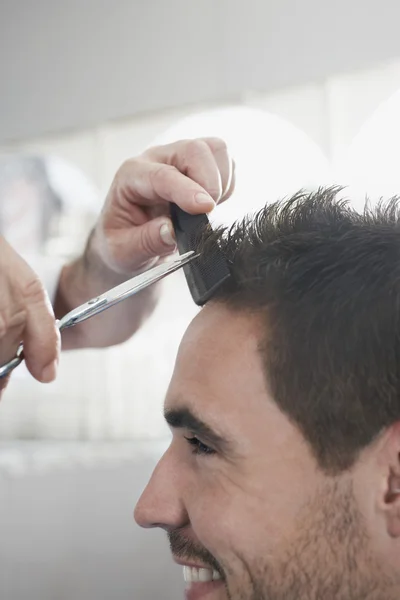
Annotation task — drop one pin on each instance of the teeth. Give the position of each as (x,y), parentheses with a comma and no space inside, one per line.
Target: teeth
(216,575)
(205,575)
(194,575)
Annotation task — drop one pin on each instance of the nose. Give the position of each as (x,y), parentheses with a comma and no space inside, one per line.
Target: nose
(161,505)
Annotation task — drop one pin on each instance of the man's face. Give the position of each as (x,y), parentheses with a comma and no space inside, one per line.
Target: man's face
(246,507)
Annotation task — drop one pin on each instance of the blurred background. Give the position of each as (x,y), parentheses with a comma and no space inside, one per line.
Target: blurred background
(305,93)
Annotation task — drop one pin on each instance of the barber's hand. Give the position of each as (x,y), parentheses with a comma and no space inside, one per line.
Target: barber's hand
(26,315)
(134,229)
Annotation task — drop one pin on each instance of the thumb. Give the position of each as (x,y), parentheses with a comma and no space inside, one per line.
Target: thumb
(145,242)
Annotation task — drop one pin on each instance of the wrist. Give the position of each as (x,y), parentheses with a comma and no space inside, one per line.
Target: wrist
(94,269)
(82,279)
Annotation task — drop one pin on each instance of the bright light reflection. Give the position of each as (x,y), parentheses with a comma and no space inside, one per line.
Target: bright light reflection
(372,165)
(273,158)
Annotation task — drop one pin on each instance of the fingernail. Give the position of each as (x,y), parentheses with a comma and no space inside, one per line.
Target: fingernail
(49,373)
(167,234)
(202,198)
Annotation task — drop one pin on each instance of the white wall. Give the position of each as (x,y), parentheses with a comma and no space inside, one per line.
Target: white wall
(77,64)
(67,532)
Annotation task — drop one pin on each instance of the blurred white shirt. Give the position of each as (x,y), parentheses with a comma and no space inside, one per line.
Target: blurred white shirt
(46,211)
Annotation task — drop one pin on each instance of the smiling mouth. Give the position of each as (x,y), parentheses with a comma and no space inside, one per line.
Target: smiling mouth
(201,582)
(195,575)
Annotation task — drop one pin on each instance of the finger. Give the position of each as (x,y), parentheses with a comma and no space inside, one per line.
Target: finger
(228,193)
(12,319)
(195,159)
(224,162)
(155,182)
(41,336)
(12,325)
(12,308)
(151,240)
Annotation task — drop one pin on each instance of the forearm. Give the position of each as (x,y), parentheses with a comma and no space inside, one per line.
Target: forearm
(87,278)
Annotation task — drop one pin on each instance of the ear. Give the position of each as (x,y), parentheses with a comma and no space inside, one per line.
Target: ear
(389,461)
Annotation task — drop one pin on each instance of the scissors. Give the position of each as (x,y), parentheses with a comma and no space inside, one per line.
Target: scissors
(104,301)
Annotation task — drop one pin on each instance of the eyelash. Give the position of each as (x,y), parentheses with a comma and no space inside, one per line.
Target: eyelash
(198,447)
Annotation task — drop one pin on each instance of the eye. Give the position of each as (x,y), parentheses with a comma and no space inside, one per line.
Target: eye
(198,447)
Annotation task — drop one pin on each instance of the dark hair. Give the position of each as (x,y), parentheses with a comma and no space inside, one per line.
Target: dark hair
(327,279)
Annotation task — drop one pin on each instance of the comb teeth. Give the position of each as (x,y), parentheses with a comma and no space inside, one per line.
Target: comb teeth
(204,277)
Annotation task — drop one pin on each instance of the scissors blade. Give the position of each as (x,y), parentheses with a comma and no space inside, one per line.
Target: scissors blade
(123,291)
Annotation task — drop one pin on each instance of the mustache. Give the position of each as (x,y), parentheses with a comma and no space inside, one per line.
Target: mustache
(185,549)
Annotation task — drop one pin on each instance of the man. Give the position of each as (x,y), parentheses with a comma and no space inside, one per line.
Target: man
(133,232)
(282,480)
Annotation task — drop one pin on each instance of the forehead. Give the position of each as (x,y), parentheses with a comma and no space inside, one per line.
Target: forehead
(219,351)
(219,373)
(219,377)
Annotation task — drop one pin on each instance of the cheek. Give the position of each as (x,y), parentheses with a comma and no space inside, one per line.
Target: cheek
(223,515)
(212,504)
(233,519)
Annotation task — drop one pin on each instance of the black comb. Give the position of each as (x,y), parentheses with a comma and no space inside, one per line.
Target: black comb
(204,277)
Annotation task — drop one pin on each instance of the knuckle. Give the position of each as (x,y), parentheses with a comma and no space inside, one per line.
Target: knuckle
(128,166)
(196,147)
(33,291)
(10,321)
(193,151)
(217,145)
(149,154)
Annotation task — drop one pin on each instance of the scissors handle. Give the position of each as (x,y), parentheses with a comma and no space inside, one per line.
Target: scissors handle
(14,362)
(108,299)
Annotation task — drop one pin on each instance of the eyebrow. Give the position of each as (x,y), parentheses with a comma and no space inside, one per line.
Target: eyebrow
(183,418)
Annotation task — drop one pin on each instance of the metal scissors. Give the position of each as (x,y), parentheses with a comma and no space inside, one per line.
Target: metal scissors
(104,301)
